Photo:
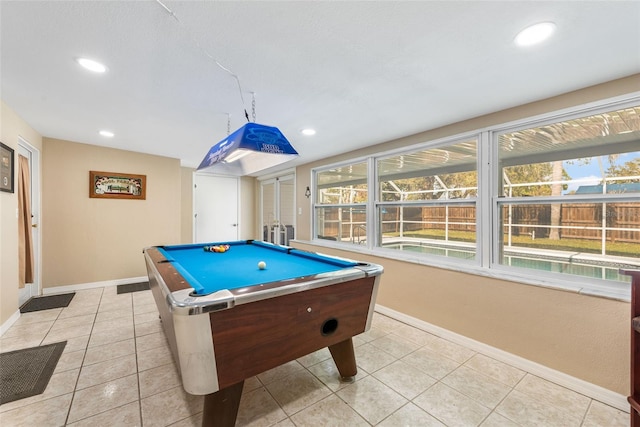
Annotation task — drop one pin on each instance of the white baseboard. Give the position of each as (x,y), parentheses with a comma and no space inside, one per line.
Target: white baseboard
(10,321)
(588,389)
(92,285)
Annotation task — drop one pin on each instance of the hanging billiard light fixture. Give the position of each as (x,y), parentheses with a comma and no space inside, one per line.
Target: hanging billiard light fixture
(250,149)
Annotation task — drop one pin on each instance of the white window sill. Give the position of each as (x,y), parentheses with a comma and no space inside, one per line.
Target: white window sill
(576,284)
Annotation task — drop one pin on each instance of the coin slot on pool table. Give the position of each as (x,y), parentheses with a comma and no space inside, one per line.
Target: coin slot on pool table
(329,326)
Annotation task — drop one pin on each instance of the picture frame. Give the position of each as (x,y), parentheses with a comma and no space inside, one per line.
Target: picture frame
(7,169)
(115,185)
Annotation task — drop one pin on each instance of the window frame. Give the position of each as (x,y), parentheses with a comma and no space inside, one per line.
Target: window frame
(315,206)
(591,286)
(487,203)
(452,263)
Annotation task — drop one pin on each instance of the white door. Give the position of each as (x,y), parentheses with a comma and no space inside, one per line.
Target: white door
(215,208)
(32,154)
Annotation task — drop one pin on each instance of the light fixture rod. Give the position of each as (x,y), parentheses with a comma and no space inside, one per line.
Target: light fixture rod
(169,11)
(197,44)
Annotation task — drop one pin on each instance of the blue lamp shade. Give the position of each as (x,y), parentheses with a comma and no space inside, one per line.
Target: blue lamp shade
(248,150)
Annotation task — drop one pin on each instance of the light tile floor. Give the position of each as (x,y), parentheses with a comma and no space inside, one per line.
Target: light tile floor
(117,370)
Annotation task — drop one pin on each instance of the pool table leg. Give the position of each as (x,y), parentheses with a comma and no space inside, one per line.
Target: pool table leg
(221,407)
(344,358)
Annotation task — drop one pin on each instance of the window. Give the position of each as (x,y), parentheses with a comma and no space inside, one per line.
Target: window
(554,201)
(426,201)
(340,208)
(569,196)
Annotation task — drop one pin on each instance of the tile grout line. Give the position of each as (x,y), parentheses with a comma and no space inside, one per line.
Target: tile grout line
(135,349)
(75,387)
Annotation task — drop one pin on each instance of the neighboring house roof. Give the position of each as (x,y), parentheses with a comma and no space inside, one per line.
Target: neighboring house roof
(611,188)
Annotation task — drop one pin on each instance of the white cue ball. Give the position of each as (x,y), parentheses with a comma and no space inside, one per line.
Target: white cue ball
(262,265)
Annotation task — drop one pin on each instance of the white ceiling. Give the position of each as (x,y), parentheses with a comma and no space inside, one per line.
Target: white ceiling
(360,73)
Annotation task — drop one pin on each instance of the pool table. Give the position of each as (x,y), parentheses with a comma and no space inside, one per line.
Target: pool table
(227,320)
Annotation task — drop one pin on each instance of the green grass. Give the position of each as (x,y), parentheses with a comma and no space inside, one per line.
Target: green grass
(631,250)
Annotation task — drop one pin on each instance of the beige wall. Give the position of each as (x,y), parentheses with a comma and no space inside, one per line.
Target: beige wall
(88,240)
(186,205)
(248,208)
(582,336)
(11,127)
(585,337)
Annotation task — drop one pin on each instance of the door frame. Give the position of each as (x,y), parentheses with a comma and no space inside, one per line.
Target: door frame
(36,211)
(265,221)
(275,180)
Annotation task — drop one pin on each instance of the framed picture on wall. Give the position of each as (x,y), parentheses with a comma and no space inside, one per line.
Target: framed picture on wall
(6,168)
(114,185)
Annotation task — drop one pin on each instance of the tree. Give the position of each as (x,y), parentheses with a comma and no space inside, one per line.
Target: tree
(630,168)
(532,173)
(556,190)
(460,185)
(464,184)
(347,194)
(552,172)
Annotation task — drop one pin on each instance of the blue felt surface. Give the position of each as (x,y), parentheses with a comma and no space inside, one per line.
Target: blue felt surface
(238,267)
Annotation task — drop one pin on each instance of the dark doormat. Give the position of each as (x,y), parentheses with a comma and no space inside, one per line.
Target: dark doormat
(26,372)
(133,287)
(45,303)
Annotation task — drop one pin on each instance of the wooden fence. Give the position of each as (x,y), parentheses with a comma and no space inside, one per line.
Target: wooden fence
(623,219)
(578,221)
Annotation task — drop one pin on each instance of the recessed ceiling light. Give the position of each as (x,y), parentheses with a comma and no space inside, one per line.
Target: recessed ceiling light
(106,133)
(308,132)
(92,65)
(535,34)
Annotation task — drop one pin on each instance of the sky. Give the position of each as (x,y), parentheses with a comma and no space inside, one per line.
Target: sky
(590,173)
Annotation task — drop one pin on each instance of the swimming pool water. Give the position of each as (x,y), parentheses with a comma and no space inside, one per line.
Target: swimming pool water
(598,270)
